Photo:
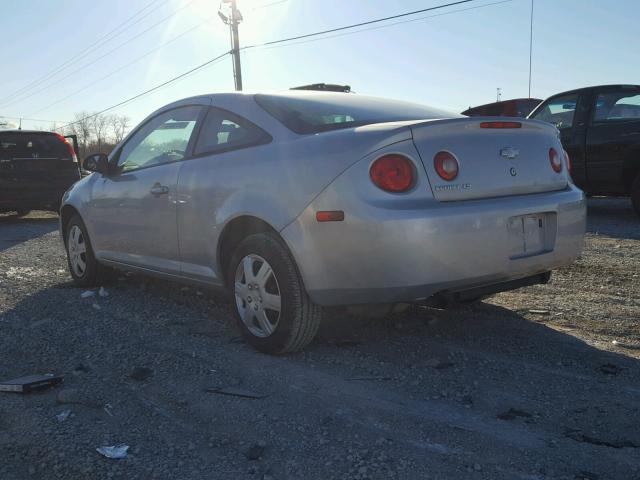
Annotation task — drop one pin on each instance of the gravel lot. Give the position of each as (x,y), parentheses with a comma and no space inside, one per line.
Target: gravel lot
(526,385)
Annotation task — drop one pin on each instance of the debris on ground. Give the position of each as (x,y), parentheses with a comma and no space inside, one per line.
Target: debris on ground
(88,294)
(115,451)
(256,450)
(103,292)
(630,346)
(30,383)
(141,374)
(62,416)
(96,306)
(609,369)
(536,311)
(512,414)
(236,392)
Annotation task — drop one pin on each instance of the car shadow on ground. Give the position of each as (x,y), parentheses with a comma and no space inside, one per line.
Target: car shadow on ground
(484,369)
(612,217)
(15,229)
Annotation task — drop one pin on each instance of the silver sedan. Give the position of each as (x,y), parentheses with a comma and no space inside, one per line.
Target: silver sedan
(300,200)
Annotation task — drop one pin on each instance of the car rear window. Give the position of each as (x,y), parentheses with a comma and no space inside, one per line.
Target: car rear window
(22,146)
(332,111)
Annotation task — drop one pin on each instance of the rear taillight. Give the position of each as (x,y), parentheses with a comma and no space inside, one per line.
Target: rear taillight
(567,160)
(500,125)
(446,164)
(555,160)
(69,147)
(392,173)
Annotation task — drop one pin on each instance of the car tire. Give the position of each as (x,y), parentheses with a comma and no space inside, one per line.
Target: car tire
(262,276)
(83,266)
(22,213)
(635,194)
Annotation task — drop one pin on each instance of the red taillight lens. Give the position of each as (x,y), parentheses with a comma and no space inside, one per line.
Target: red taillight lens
(567,160)
(500,125)
(446,165)
(69,147)
(555,160)
(392,173)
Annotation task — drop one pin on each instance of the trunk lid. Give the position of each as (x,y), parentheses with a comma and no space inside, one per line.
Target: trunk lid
(493,162)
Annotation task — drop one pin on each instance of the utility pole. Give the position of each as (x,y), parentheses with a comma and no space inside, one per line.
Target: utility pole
(233,20)
(498,94)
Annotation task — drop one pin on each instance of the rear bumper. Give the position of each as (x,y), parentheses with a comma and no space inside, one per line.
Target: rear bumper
(381,254)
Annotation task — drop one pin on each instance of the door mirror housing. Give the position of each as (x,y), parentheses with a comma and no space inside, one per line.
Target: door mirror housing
(98,162)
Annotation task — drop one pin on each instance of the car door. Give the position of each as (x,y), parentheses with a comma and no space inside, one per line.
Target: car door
(133,208)
(568,113)
(225,153)
(613,138)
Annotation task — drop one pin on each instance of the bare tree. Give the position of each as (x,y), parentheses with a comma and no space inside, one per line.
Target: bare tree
(99,124)
(82,128)
(119,126)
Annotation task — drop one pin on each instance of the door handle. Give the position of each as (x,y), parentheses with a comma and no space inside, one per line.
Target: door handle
(158,189)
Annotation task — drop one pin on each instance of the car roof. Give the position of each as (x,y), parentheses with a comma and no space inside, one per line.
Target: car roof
(31,132)
(583,89)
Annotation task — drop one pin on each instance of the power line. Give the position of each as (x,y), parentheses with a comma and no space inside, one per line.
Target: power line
(530,47)
(32,119)
(273,42)
(387,25)
(123,44)
(355,25)
(119,69)
(98,43)
(146,92)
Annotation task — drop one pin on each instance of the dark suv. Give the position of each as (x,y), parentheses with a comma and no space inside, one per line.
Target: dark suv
(36,168)
(600,130)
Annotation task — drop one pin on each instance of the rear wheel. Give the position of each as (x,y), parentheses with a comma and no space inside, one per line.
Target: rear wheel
(274,312)
(83,266)
(635,194)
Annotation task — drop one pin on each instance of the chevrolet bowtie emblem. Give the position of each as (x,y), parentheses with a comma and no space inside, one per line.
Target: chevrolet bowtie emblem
(509,152)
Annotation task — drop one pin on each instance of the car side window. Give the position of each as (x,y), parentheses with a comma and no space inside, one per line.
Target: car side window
(163,139)
(617,106)
(223,131)
(560,111)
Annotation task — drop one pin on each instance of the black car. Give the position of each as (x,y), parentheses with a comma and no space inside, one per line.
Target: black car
(600,130)
(36,168)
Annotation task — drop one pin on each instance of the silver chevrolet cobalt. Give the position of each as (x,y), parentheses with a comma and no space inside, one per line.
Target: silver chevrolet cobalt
(300,200)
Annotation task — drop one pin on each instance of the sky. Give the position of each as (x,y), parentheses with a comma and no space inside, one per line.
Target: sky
(452,58)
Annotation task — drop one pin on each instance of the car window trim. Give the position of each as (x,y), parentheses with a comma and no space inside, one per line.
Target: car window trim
(555,97)
(188,153)
(267,138)
(619,121)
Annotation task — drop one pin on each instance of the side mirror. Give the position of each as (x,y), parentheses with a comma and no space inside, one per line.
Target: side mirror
(98,162)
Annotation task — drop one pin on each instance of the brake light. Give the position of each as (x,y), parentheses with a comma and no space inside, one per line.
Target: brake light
(392,173)
(500,125)
(554,159)
(446,165)
(70,149)
(567,160)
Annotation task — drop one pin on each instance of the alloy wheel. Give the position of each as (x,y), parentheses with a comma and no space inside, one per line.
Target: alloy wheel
(77,251)
(257,294)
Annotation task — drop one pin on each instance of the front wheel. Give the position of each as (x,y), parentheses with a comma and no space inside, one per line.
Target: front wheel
(274,312)
(635,194)
(83,266)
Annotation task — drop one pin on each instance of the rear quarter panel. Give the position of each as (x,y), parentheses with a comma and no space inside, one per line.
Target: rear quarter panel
(273,182)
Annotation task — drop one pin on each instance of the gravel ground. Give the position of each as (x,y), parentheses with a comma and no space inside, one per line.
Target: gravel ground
(540,383)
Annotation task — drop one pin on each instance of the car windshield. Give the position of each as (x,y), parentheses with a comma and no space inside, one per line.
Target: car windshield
(23,146)
(332,111)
